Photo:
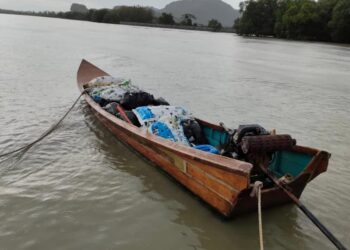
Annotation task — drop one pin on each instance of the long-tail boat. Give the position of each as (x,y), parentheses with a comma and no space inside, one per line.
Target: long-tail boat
(224,182)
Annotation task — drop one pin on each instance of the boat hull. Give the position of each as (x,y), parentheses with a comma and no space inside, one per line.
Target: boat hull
(222,182)
(216,187)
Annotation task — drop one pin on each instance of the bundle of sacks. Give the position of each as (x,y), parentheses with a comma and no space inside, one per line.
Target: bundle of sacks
(143,110)
(164,121)
(107,89)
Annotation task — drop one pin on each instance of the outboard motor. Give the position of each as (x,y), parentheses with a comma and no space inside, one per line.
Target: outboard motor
(266,144)
(254,144)
(244,131)
(233,147)
(251,141)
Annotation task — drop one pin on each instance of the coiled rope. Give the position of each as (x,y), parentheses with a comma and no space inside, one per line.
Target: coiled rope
(46,133)
(256,191)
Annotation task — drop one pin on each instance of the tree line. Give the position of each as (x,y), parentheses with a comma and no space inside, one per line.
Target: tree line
(322,20)
(135,14)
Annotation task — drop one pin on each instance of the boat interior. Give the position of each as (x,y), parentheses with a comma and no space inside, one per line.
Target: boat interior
(284,162)
(251,143)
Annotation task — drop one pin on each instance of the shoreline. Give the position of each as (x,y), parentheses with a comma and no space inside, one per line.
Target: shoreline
(193,28)
(152,25)
(180,27)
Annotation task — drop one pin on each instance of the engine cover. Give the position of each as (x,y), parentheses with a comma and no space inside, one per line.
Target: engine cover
(266,143)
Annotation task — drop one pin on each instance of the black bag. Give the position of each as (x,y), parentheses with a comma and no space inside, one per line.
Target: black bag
(132,100)
(193,132)
(136,99)
(160,101)
(133,118)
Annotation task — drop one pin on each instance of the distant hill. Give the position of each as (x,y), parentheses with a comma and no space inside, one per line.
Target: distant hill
(203,10)
(80,8)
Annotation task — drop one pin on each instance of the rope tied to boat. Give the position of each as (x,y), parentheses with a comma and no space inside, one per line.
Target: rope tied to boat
(256,191)
(46,133)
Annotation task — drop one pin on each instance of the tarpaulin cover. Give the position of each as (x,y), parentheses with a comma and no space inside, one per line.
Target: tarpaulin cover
(164,121)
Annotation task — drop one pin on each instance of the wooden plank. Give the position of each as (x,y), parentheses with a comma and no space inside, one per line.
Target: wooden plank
(318,164)
(212,183)
(305,150)
(237,182)
(222,205)
(215,200)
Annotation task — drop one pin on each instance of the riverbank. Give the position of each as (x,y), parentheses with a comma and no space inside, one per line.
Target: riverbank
(327,20)
(224,30)
(153,25)
(175,26)
(181,27)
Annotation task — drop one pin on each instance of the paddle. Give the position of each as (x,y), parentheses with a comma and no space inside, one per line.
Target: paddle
(306,211)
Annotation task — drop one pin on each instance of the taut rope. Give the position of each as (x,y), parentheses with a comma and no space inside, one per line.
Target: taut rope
(46,133)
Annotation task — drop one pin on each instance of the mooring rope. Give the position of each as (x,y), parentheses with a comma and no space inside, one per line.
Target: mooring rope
(256,191)
(46,133)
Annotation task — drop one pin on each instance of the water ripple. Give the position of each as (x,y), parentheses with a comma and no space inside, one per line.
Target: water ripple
(82,189)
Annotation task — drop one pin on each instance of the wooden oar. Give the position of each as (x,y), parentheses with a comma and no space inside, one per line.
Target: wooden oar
(306,211)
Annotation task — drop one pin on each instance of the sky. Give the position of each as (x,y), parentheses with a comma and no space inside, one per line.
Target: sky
(64,5)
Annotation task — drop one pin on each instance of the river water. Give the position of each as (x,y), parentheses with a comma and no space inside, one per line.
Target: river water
(82,189)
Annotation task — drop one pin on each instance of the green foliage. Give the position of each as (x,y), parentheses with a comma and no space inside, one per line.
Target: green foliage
(166,18)
(111,16)
(135,14)
(325,10)
(301,20)
(187,19)
(215,25)
(340,23)
(121,14)
(98,15)
(325,20)
(258,18)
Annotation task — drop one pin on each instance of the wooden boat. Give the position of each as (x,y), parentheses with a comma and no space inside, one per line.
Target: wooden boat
(222,182)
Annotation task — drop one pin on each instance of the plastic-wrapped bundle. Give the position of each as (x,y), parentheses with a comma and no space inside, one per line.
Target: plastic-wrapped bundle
(162,129)
(164,121)
(104,81)
(207,148)
(109,89)
(153,113)
(107,94)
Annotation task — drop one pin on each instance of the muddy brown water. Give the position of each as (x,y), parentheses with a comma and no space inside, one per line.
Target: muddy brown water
(82,189)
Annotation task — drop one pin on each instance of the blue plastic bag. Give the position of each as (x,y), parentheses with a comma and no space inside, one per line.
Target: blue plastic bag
(207,148)
(162,130)
(144,113)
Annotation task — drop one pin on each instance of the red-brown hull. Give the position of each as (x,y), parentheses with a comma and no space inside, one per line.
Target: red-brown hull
(222,182)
